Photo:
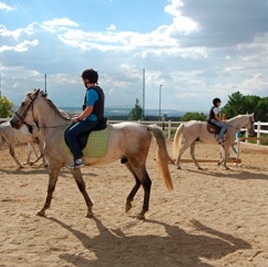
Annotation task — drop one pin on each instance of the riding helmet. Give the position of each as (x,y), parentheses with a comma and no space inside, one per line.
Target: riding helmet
(215,101)
(91,75)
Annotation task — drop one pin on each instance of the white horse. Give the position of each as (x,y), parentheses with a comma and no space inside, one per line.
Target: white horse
(193,131)
(128,142)
(12,137)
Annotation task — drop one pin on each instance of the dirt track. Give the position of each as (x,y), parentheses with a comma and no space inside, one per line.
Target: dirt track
(212,218)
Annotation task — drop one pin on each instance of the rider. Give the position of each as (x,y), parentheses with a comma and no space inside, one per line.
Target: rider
(216,120)
(92,114)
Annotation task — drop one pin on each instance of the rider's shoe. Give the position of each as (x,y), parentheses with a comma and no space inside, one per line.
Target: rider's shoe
(220,141)
(78,163)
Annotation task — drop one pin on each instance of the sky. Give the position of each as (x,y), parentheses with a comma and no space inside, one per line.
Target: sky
(190,51)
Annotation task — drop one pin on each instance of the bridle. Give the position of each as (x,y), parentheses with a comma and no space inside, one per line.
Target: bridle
(251,123)
(30,106)
(22,117)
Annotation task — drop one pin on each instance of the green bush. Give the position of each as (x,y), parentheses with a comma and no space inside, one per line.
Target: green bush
(5,107)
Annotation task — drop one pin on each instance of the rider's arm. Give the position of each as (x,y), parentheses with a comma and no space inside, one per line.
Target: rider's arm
(218,118)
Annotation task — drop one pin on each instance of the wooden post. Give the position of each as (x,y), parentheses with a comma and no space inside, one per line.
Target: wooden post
(169,129)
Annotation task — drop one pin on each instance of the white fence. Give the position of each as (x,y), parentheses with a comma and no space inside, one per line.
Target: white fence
(169,126)
(258,129)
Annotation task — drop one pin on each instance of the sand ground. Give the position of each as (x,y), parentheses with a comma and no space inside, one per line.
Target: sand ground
(214,217)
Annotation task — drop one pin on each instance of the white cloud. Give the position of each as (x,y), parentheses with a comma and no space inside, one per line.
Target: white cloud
(6,7)
(196,57)
(21,47)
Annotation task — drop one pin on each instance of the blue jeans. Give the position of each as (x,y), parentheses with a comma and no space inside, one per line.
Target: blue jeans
(221,125)
(75,130)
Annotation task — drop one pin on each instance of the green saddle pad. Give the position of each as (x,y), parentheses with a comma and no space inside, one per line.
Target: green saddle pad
(97,143)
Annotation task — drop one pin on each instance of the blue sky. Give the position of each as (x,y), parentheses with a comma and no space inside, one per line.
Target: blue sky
(196,50)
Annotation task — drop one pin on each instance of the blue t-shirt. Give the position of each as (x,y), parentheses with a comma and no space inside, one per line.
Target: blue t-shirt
(92,98)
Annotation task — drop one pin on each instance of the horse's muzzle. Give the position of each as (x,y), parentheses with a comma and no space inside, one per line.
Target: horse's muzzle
(15,124)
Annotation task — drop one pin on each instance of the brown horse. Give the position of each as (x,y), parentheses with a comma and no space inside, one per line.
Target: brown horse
(128,142)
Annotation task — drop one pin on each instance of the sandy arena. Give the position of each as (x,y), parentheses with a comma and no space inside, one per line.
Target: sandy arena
(213,217)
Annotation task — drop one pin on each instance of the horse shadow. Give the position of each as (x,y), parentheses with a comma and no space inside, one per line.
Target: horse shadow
(179,248)
(242,175)
(64,172)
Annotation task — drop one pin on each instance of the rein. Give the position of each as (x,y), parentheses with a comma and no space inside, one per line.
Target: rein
(238,128)
(22,117)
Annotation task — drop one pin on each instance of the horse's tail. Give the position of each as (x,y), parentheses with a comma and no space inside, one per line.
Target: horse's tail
(177,139)
(162,156)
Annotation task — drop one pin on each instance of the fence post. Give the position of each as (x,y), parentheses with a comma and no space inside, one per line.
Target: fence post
(238,135)
(258,132)
(169,129)
(246,135)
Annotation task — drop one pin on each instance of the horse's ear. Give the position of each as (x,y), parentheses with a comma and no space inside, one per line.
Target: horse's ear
(36,92)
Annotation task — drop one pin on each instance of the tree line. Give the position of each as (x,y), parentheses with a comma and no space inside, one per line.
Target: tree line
(237,104)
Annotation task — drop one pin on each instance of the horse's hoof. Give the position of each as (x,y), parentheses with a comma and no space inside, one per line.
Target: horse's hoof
(141,217)
(40,213)
(128,207)
(172,161)
(89,214)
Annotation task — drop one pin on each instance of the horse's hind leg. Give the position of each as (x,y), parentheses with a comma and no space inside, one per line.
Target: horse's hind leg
(192,150)
(53,177)
(82,187)
(142,178)
(182,150)
(134,189)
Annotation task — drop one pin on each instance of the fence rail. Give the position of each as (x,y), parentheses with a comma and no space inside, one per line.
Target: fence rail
(169,126)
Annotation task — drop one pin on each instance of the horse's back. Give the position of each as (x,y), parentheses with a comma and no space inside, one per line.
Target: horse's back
(125,138)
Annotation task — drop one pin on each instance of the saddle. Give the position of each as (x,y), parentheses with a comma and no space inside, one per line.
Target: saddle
(82,138)
(213,129)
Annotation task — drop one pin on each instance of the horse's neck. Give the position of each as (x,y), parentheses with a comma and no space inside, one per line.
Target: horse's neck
(238,122)
(49,119)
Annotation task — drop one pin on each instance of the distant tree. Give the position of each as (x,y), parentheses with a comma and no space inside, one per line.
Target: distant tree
(234,105)
(5,107)
(240,104)
(261,112)
(136,113)
(199,116)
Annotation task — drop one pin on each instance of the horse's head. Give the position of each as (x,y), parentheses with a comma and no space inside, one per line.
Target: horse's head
(250,125)
(22,114)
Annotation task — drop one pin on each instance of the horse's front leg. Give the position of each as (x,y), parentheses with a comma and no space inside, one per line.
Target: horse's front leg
(82,187)
(226,150)
(12,153)
(53,177)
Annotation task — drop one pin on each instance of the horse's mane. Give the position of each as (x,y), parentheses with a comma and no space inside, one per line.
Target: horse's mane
(233,118)
(52,105)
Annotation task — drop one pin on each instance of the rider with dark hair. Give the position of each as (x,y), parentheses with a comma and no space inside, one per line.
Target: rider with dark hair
(91,116)
(216,120)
